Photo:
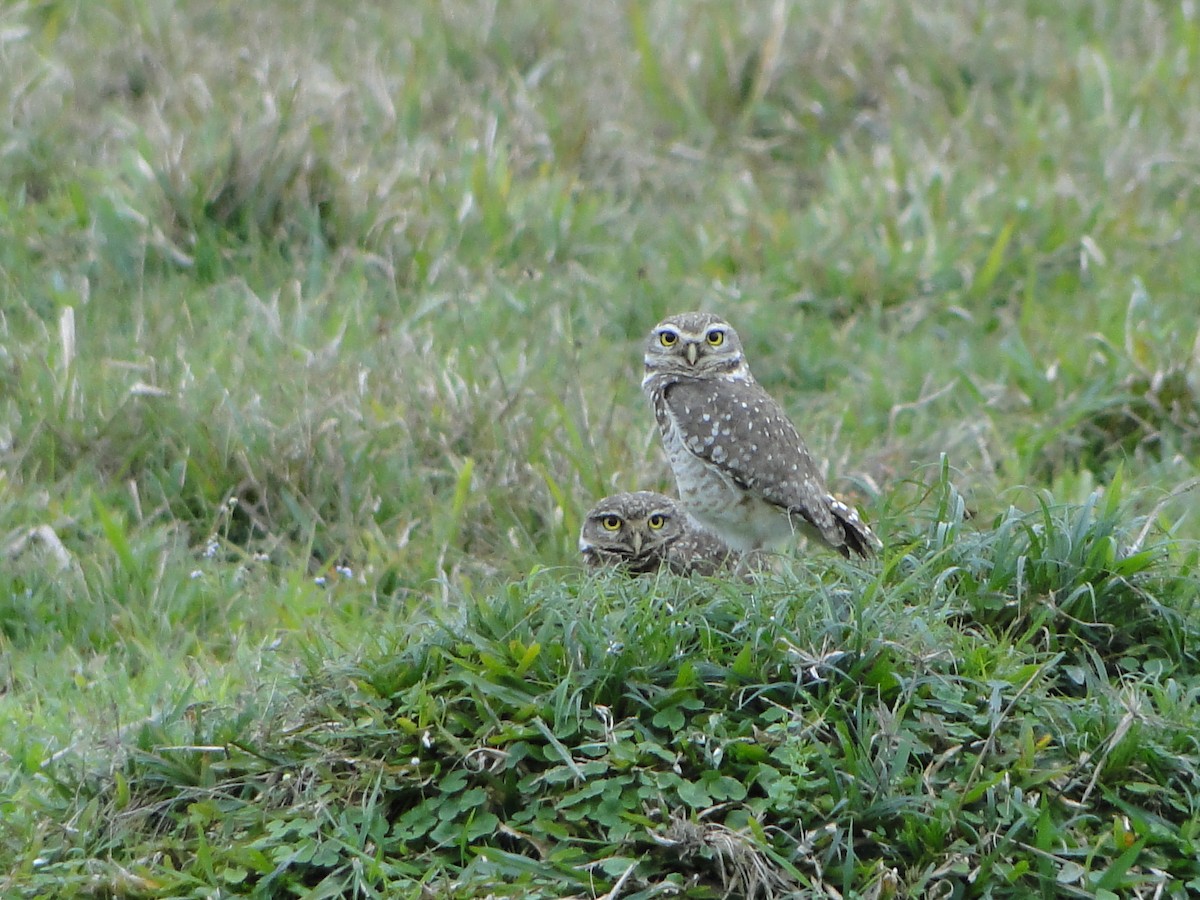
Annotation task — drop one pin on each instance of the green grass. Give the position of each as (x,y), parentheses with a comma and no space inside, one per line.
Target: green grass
(320,328)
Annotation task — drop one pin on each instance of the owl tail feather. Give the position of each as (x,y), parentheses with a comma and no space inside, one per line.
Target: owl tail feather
(858,538)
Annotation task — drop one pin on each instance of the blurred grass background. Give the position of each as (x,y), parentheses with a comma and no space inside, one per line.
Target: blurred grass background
(317,318)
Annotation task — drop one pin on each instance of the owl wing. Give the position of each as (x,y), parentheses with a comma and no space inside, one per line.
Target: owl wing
(738,428)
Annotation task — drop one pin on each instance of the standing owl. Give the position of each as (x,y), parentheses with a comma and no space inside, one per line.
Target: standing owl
(743,470)
(643,531)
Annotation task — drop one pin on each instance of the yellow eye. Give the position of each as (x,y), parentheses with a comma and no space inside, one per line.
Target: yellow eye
(656,521)
(611,522)
(668,338)
(715,337)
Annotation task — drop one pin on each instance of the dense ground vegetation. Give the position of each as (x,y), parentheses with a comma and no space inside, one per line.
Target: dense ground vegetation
(321,324)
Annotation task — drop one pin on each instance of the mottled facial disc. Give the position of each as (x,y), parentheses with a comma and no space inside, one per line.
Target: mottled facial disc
(643,532)
(632,526)
(699,345)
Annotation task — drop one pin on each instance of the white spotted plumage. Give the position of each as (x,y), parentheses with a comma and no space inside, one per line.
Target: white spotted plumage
(742,468)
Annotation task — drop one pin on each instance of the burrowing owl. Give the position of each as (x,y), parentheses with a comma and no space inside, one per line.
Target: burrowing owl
(742,469)
(643,531)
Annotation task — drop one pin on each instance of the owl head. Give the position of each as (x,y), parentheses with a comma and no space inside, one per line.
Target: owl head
(696,344)
(632,531)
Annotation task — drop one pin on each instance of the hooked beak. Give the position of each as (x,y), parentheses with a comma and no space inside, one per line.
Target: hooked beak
(637,544)
(693,352)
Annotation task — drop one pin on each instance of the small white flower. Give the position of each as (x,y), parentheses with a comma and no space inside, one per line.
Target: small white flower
(196,573)
(211,548)
(319,581)
(344,571)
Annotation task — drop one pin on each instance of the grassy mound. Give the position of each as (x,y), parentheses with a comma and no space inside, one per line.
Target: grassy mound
(1008,711)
